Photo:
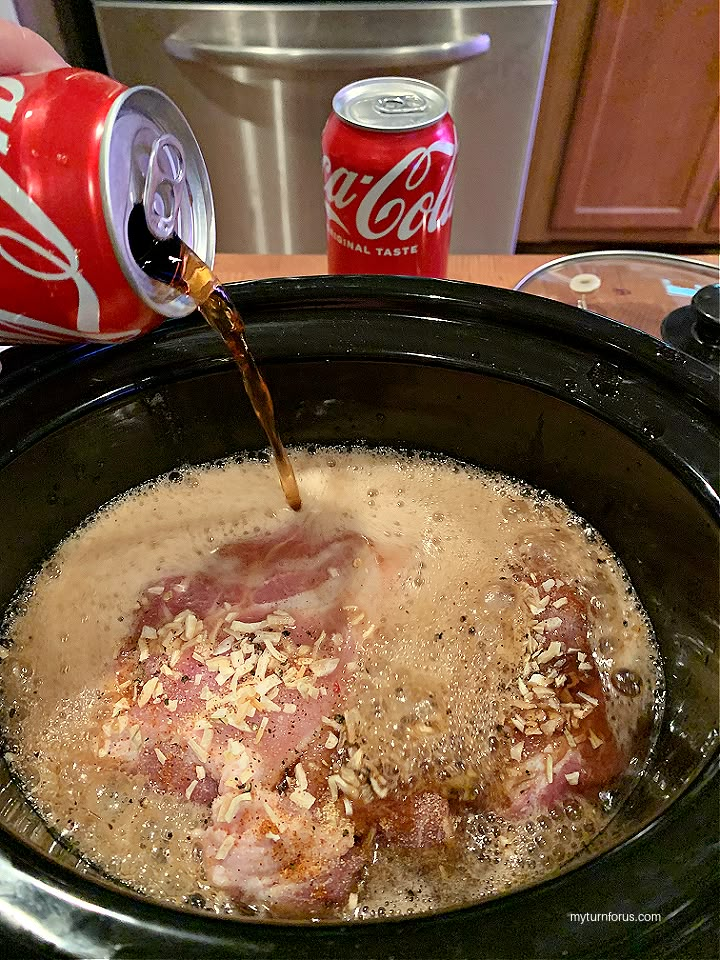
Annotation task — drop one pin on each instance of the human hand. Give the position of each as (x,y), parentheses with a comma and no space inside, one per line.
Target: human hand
(22,51)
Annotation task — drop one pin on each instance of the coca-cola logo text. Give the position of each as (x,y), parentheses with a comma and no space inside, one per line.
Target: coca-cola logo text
(396,203)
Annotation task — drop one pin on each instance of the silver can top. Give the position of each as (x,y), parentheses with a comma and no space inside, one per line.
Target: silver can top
(390,103)
(148,155)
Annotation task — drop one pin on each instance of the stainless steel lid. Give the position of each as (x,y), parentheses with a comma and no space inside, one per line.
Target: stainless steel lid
(390,103)
(148,155)
(633,286)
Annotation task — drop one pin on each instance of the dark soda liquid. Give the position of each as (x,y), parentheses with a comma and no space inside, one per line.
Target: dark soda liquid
(174,263)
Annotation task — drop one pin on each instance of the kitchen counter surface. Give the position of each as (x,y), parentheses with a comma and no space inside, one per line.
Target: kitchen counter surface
(498,271)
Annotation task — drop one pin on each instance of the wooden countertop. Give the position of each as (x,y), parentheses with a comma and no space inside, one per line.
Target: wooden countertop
(639,299)
(497,271)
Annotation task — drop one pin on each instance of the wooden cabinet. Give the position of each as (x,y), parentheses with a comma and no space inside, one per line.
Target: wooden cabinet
(627,142)
(714,218)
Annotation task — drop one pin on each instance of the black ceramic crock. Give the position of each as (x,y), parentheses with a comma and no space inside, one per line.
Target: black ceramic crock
(620,426)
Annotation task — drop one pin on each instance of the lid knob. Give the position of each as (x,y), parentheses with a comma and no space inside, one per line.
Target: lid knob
(706,307)
(696,327)
(585,283)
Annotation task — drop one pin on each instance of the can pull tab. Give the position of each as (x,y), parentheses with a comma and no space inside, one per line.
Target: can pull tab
(404,103)
(164,186)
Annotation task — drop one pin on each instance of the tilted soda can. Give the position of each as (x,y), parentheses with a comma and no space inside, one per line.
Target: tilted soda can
(77,152)
(389,154)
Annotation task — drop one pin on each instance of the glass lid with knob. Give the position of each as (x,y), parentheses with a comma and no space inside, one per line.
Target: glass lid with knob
(637,287)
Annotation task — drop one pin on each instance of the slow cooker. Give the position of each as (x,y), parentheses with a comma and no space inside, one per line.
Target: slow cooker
(622,427)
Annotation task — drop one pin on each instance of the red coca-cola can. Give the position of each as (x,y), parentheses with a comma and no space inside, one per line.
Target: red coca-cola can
(389,154)
(77,152)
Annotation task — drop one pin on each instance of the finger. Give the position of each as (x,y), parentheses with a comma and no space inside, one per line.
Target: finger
(22,51)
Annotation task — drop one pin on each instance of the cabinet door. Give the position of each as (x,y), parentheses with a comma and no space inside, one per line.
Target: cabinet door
(713,223)
(643,147)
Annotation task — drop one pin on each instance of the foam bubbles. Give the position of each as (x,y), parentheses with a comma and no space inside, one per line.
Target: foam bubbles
(433,684)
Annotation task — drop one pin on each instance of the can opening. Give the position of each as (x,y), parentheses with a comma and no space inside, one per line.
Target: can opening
(150,160)
(160,259)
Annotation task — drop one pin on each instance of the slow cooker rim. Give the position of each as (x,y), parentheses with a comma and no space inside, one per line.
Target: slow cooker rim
(677,371)
(536,312)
